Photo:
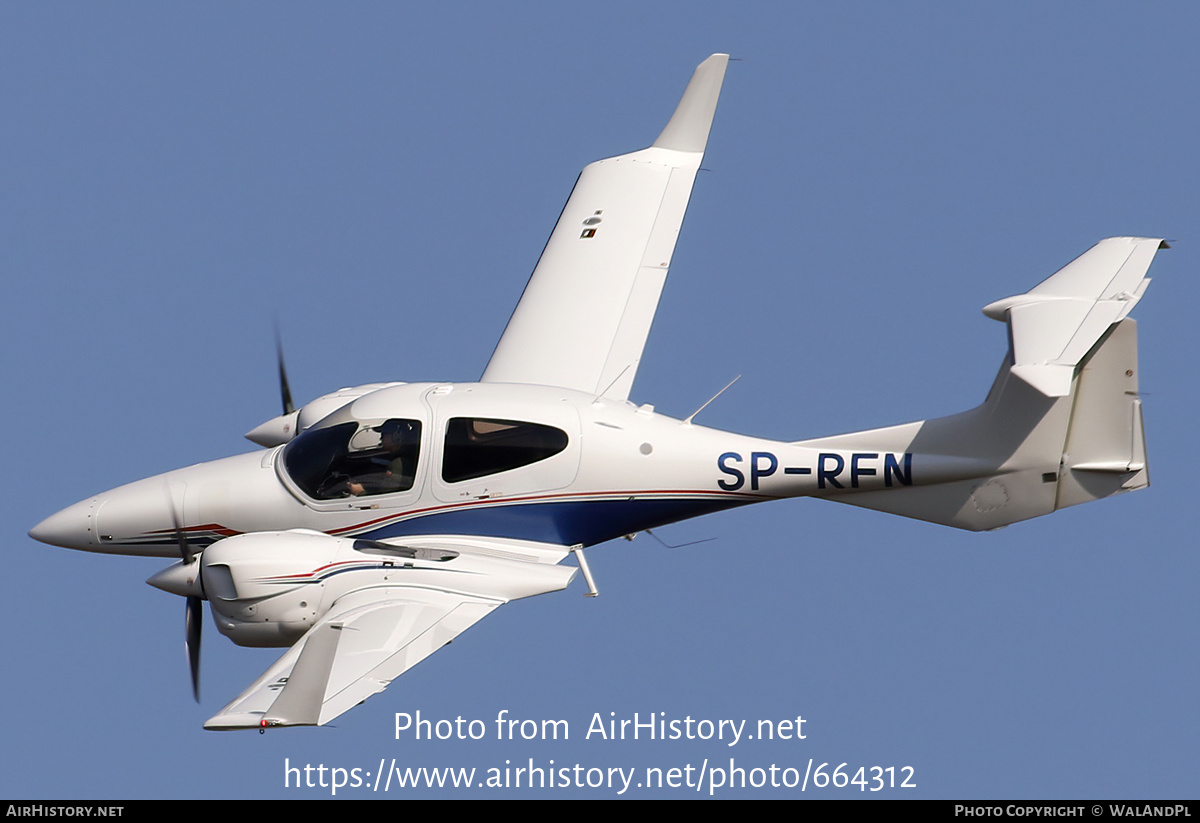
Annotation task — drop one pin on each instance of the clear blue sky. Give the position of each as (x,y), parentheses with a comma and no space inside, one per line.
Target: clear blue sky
(382,177)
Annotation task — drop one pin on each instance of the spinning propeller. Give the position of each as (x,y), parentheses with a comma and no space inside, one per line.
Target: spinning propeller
(284,390)
(194,612)
(184,579)
(281,429)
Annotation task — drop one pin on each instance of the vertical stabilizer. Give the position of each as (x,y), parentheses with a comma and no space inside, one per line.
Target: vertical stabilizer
(1062,424)
(1106,447)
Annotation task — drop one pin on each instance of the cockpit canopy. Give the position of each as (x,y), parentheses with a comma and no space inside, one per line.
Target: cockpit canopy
(355,459)
(366,458)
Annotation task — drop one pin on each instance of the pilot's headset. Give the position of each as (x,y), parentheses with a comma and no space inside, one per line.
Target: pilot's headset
(405,432)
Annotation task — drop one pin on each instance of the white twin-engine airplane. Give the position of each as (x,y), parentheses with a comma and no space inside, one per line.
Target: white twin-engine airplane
(383,520)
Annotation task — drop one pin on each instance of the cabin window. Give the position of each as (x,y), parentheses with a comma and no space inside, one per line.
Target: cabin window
(477,447)
(355,460)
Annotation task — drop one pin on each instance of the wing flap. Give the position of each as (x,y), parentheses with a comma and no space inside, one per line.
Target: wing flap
(384,640)
(583,319)
(299,703)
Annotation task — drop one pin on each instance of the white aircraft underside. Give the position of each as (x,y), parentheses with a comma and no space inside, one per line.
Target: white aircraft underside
(383,520)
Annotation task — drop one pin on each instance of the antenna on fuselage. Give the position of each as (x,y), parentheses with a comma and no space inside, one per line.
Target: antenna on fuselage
(688,421)
(610,385)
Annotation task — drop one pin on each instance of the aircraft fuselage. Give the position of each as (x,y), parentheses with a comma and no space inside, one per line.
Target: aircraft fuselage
(616,469)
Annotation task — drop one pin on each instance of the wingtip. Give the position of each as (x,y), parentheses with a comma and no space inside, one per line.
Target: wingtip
(688,128)
(233,721)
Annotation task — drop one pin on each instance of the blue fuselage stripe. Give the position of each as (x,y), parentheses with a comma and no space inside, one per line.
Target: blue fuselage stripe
(565,523)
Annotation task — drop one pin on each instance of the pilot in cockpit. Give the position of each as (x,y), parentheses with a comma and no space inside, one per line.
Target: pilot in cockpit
(393,466)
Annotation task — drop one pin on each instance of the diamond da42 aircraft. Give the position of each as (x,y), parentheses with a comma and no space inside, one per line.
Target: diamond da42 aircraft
(383,520)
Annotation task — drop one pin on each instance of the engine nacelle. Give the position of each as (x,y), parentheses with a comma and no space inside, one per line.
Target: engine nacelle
(281,429)
(269,588)
(266,589)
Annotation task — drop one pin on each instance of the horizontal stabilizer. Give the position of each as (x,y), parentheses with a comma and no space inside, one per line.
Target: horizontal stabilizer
(1055,324)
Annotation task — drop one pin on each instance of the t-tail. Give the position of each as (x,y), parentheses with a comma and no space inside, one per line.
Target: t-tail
(1062,423)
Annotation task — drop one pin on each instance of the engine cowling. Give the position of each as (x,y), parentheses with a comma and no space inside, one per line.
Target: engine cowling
(281,429)
(267,588)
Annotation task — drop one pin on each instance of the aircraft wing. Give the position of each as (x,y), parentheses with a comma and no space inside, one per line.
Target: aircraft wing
(373,635)
(583,319)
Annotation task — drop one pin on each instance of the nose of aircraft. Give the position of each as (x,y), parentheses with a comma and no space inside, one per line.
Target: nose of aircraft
(130,519)
(71,528)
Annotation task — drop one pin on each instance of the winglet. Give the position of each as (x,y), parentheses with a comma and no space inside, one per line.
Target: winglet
(687,130)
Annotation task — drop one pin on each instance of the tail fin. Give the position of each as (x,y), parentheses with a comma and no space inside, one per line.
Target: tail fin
(1062,423)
